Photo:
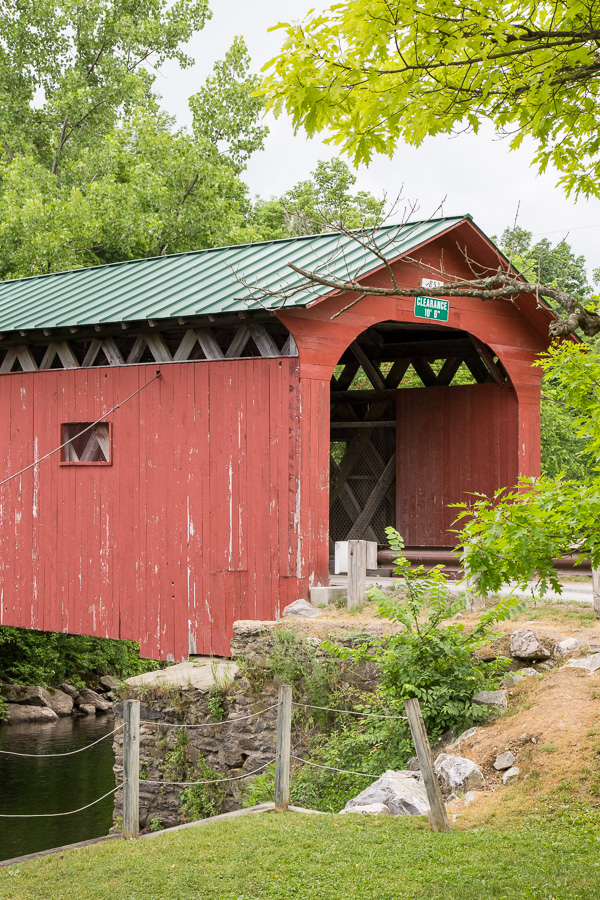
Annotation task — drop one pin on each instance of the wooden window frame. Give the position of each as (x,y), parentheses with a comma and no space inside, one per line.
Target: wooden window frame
(79,462)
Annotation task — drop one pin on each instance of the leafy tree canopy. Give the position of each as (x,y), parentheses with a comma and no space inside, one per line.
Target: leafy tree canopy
(323,202)
(375,72)
(92,170)
(518,533)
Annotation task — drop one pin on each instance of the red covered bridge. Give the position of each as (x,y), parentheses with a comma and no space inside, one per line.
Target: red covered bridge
(215,491)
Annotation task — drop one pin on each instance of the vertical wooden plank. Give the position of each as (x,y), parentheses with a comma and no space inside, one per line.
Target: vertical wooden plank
(357,573)
(438,817)
(131,768)
(283,746)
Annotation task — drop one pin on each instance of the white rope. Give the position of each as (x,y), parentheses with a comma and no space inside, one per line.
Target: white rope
(350,712)
(71,812)
(215,781)
(208,724)
(69,753)
(36,462)
(331,769)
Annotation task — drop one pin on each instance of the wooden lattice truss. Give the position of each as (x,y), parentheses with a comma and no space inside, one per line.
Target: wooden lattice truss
(383,359)
(216,337)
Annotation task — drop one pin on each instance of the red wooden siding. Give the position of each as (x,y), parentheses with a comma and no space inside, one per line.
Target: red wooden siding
(450,442)
(193,525)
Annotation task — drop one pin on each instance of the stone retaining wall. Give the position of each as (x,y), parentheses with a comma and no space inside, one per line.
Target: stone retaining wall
(232,747)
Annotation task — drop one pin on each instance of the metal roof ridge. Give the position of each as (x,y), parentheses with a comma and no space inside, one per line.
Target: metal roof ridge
(302,237)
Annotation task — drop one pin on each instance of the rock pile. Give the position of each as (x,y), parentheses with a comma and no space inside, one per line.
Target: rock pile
(38,704)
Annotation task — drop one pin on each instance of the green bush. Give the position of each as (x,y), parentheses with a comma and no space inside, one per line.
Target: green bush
(430,659)
(49,657)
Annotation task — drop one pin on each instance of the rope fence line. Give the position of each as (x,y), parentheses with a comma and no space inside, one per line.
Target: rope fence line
(71,812)
(350,712)
(208,724)
(68,753)
(332,769)
(214,780)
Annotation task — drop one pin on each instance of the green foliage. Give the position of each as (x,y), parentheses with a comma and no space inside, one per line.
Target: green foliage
(197,801)
(217,703)
(48,657)
(324,202)
(294,660)
(376,73)
(91,170)
(516,534)
(430,660)
(557,266)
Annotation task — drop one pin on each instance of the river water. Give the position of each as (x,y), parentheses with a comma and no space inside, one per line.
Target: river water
(55,785)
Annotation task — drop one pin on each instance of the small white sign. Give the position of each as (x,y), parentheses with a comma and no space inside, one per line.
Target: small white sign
(431,283)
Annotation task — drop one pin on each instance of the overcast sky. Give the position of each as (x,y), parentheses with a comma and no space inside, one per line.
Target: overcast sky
(477,174)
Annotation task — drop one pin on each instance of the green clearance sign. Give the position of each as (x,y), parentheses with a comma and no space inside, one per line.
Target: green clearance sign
(431,308)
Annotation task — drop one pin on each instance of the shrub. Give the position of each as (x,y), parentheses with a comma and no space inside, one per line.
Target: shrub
(430,659)
(49,657)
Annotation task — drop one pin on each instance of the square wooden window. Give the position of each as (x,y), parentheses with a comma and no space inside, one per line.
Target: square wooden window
(85,444)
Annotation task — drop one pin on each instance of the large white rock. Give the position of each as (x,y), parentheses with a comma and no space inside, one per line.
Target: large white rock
(591,663)
(511,775)
(302,609)
(504,761)
(493,699)
(403,793)
(457,773)
(525,644)
(16,714)
(61,703)
(568,646)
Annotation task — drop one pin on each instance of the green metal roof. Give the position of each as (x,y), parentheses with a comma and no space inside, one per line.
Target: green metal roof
(199,282)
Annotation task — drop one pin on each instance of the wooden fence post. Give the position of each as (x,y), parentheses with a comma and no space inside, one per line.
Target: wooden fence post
(131,768)
(596,592)
(357,572)
(438,817)
(284,741)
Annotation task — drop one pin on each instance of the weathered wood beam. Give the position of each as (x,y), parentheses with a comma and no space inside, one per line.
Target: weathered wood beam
(112,352)
(386,423)
(424,371)
(187,344)
(477,369)
(448,371)
(346,376)
(238,344)
(92,352)
(66,355)
(209,344)
(397,373)
(48,357)
(9,360)
(26,358)
(354,450)
(488,360)
(158,348)
(377,494)
(264,342)
(371,371)
(367,396)
(137,351)
(289,348)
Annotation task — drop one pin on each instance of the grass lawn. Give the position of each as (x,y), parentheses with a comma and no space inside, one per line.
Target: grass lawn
(328,856)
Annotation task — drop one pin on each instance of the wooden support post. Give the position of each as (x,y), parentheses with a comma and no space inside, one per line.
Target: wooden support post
(596,592)
(438,817)
(284,742)
(357,572)
(131,768)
